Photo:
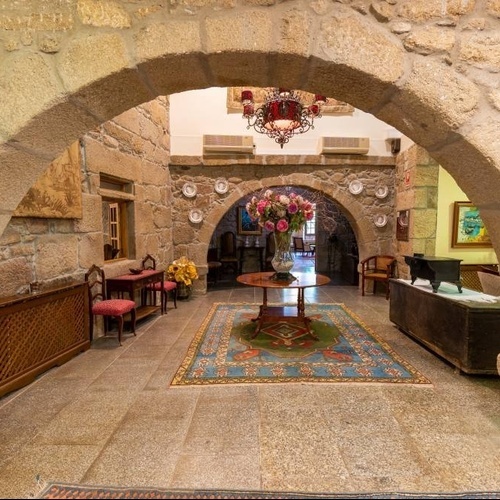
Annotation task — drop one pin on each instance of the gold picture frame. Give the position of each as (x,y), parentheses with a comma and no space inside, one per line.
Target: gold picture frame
(246,225)
(468,229)
(332,106)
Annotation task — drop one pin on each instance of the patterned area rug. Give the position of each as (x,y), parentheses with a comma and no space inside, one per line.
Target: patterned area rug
(73,491)
(224,352)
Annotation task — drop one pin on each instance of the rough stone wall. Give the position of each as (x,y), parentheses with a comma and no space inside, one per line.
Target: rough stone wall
(427,67)
(417,178)
(56,251)
(328,176)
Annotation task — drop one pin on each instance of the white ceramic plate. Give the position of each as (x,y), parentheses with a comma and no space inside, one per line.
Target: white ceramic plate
(380,220)
(221,185)
(381,191)
(355,187)
(189,189)
(195,215)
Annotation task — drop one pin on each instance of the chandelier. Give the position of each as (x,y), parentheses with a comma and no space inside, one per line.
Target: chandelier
(282,115)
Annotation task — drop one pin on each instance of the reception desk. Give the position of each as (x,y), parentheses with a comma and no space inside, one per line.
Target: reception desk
(463,328)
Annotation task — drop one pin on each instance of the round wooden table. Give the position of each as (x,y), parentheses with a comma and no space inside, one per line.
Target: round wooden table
(283,313)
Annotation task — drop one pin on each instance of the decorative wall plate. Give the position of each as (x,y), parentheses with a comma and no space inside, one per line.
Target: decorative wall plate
(381,191)
(189,189)
(380,220)
(195,215)
(355,187)
(221,185)
(403,218)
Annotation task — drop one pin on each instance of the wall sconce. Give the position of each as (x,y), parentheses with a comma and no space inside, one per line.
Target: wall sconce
(394,136)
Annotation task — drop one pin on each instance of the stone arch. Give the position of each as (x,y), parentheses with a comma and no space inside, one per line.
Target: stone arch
(446,104)
(369,240)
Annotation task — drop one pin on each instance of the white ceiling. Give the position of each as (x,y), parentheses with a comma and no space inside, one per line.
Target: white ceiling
(198,112)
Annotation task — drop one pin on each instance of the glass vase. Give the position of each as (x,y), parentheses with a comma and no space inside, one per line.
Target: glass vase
(282,261)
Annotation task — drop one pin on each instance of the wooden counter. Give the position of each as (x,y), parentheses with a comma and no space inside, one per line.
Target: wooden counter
(464,332)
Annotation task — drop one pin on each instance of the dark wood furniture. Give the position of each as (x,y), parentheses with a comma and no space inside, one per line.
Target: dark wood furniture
(379,269)
(100,305)
(149,262)
(228,253)
(132,283)
(40,331)
(434,269)
(465,333)
(247,254)
(283,313)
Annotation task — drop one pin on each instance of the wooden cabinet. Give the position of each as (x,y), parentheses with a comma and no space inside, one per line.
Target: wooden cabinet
(464,332)
(39,331)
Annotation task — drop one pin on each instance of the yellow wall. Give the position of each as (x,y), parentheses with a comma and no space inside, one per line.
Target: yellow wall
(448,193)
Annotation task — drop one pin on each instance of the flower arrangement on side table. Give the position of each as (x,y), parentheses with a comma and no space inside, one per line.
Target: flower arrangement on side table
(183,271)
(282,214)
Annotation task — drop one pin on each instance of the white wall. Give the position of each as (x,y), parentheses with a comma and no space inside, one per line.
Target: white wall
(198,112)
(448,193)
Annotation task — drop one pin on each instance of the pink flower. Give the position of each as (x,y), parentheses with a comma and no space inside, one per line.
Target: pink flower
(261,206)
(293,208)
(309,215)
(282,226)
(269,225)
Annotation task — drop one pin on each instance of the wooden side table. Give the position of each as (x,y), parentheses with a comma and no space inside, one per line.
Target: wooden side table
(283,313)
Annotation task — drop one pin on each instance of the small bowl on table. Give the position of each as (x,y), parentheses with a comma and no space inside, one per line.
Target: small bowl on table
(135,271)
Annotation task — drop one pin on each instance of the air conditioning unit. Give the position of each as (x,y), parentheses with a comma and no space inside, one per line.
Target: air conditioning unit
(344,145)
(236,144)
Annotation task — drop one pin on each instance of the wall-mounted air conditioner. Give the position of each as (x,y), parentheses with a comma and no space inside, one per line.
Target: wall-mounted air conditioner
(344,145)
(236,144)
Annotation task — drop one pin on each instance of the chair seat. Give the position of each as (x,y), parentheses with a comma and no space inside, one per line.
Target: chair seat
(376,275)
(167,286)
(113,307)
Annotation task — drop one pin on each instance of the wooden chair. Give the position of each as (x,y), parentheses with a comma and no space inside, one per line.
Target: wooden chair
(213,266)
(379,269)
(149,262)
(99,305)
(490,283)
(229,252)
(298,245)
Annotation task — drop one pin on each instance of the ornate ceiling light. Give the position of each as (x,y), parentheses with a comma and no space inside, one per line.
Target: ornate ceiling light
(282,115)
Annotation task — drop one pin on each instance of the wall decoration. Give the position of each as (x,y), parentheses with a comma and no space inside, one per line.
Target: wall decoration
(468,228)
(380,220)
(57,194)
(331,107)
(189,190)
(221,185)
(355,187)
(403,225)
(195,215)
(246,225)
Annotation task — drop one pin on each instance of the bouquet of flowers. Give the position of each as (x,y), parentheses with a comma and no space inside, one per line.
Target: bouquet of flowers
(182,270)
(280,212)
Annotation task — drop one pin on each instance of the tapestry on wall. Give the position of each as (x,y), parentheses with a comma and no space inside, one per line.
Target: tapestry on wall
(331,107)
(58,193)
(225,350)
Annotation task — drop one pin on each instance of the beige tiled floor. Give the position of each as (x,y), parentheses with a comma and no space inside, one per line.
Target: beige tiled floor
(110,417)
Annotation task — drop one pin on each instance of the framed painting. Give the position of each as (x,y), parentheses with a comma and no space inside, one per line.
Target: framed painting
(247,226)
(468,228)
(403,225)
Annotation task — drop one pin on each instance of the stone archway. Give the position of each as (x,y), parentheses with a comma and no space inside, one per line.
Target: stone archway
(89,63)
(329,181)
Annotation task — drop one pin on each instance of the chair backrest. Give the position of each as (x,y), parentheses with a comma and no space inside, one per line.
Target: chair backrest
(228,244)
(298,243)
(385,263)
(96,280)
(490,283)
(149,262)
(212,255)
